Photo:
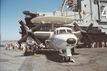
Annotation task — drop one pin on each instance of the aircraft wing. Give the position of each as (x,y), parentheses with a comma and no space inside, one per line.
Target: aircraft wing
(52,20)
(43,34)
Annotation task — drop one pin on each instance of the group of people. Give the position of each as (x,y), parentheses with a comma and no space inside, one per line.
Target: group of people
(99,44)
(9,46)
(24,45)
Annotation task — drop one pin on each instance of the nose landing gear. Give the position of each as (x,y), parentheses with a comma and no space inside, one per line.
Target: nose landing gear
(68,59)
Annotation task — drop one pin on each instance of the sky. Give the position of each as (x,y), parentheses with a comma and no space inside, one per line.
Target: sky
(11,13)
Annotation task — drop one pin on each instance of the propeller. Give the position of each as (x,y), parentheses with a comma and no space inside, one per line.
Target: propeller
(78,28)
(27,32)
(84,33)
(24,32)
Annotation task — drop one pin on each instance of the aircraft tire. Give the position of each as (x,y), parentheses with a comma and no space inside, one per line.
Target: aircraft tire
(28,52)
(67,59)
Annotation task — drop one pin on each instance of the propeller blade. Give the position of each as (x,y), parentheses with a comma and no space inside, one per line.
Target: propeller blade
(23,38)
(36,27)
(78,28)
(24,26)
(33,36)
(89,27)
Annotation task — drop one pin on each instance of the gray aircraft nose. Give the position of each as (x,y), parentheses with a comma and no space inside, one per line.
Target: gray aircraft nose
(71,41)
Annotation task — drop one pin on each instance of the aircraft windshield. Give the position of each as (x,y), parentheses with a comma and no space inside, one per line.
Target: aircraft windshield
(69,31)
(63,31)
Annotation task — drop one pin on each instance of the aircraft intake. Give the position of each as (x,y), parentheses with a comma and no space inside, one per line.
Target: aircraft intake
(71,41)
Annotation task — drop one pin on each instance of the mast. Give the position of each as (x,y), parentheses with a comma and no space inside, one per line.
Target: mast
(79,8)
(91,10)
(62,7)
(98,3)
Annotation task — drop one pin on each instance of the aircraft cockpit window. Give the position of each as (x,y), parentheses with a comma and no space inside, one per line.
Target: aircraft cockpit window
(69,31)
(56,32)
(62,31)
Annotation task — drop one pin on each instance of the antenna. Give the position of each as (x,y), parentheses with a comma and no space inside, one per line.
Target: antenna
(62,7)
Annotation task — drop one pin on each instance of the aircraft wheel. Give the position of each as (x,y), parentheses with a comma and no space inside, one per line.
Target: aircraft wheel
(28,51)
(67,59)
